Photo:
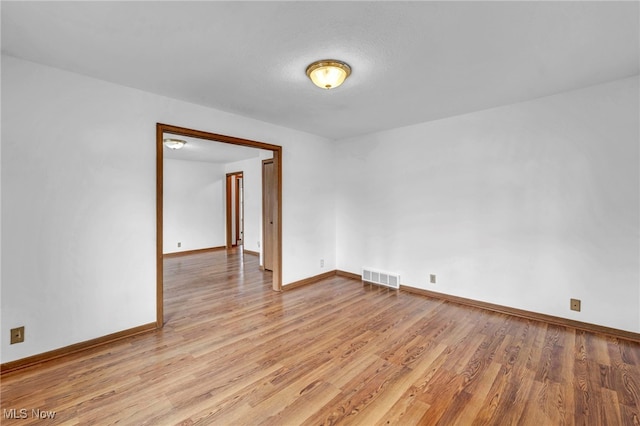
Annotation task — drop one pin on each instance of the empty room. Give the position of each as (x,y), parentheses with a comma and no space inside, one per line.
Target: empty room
(302,213)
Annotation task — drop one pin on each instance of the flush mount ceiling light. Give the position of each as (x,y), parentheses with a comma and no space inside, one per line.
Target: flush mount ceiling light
(174,143)
(328,73)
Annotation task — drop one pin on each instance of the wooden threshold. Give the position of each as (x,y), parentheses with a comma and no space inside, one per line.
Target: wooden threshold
(20,364)
(188,252)
(251,252)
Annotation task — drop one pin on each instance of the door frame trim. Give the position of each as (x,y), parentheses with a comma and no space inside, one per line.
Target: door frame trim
(264,239)
(183,131)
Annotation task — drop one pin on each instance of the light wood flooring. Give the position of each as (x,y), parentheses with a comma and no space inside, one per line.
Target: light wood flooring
(336,352)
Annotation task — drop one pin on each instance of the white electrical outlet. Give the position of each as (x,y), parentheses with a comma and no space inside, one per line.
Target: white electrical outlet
(179,244)
(322,263)
(432,278)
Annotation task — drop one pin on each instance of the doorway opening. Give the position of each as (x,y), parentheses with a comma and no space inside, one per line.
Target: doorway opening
(274,189)
(235,209)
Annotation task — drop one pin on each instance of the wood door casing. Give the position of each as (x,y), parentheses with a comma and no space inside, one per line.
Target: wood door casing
(228,211)
(238,212)
(269,213)
(161,130)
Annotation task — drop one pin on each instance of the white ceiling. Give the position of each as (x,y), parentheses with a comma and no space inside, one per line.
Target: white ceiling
(412,61)
(211,151)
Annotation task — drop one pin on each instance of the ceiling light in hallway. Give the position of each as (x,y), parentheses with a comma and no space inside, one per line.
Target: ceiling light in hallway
(328,73)
(174,143)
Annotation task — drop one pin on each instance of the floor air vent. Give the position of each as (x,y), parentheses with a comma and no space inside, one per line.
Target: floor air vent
(388,279)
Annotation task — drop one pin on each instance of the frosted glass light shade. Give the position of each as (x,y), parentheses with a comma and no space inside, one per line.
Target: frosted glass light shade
(328,73)
(174,143)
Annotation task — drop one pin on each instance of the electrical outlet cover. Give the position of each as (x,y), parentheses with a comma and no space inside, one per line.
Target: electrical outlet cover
(575,305)
(17,335)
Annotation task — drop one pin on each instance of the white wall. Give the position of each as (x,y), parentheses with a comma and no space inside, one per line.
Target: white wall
(78,202)
(194,205)
(297,223)
(252,180)
(525,205)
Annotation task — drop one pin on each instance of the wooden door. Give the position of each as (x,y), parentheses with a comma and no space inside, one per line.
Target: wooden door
(269,213)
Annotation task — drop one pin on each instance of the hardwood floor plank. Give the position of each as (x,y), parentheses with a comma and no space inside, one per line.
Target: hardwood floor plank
(359,393)
(336,352)
(385,403)
(470,412)
(315,394)
(511,386)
